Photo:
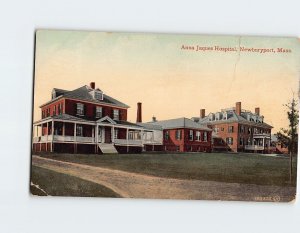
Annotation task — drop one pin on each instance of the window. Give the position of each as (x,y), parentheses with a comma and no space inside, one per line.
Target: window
(60,108)
(167,136)
(230,129)
(98,95)
(241,141)
(116,114)
(242,129)
(229,141)
(80,109)
(177,148)
(249,130)
(54,110)
(205,136)
(198,136)
(116,134)
(191,135)
(98,112)
(222,129)
(178,134)
(79,130)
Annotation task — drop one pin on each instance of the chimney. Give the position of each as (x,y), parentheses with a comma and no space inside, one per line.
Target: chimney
(257,111)
(238,108)
(92,85)
(139,112)
(154,119)
(202,113)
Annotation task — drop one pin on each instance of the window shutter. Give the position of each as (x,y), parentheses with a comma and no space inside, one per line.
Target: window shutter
(84,109)
(75,108)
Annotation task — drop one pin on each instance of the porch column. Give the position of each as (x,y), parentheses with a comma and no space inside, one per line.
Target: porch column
(52,132)
(152,139)
(127,135)
(112,134)
(263,140)
(37,130)
(47,136)
(63,129)
(96,138)
(142,135)
(75,146)
(74,132)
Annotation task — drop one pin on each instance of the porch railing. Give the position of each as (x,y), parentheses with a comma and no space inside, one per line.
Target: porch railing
(128,142)
(254,147)
(60,138)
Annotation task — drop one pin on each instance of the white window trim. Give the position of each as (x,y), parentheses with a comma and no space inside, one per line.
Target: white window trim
(191,138)
(80,107)
(98,107)
(118,115)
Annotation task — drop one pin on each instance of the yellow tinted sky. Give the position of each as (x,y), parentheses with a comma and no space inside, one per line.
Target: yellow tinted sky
(169,81)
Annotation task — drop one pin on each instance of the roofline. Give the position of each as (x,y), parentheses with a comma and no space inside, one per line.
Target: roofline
(185,127)
(51,101)
(85,101)
(240,122)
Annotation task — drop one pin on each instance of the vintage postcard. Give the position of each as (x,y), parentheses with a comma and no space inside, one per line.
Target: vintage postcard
(165,116)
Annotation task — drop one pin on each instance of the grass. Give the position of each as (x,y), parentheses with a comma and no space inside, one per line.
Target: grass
(57,184)
(223,167)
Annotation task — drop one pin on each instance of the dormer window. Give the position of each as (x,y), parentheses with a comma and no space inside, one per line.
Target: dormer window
(53,94)
(98,95)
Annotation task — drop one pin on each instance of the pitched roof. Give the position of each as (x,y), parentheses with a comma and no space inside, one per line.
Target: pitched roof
(179,123)
(231,117)
(83,93)
(65,117)
(150,126)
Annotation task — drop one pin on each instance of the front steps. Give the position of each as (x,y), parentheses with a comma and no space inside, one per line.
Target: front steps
(107,148)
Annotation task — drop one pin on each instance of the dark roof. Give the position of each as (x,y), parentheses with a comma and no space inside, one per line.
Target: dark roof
(150,126)
(128,123)
(66,117)
(179,123)
(83,93)
(231,117)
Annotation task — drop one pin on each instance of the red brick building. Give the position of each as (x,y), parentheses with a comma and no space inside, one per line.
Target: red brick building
(86,120)
(237,130)
(185,135)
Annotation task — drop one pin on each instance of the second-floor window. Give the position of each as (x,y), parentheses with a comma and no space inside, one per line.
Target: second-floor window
(116,114)
(230,129)
(191,135)
(80,109)
(178,134)
(98,112)
(198,137)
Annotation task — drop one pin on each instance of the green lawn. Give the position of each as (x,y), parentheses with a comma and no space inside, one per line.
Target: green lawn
(57,184)
(238,168)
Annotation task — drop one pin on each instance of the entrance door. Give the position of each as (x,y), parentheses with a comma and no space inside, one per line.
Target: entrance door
(107,135)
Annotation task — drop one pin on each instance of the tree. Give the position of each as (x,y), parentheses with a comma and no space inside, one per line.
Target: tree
(289,137)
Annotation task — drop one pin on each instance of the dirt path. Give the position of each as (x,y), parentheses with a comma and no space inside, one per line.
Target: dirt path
(132,185)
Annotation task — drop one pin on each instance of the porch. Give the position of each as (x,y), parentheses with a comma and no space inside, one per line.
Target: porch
(61,131)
